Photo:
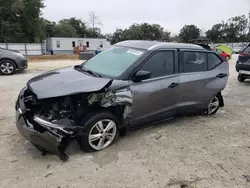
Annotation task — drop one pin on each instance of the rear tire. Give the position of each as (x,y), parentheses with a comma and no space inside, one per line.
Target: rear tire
(101,130)
(241,78)
(7,67)
(213,106)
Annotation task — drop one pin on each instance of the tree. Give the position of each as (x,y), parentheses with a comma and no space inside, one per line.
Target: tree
(30,18)
(142,31)
(189,32)
(78,24)
(94,20)
(235,29)
(64,30)
(216,33)
(10,23)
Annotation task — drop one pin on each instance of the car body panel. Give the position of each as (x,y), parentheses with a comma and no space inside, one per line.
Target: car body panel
(20,61)
(153,99)
(193,99)
(65,81)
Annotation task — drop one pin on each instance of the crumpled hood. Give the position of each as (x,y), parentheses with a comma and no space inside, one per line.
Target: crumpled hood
(65,81)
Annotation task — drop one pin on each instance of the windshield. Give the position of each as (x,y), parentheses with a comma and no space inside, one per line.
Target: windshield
(113,61)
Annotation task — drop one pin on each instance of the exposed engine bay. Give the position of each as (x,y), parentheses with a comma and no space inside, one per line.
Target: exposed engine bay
(58,120)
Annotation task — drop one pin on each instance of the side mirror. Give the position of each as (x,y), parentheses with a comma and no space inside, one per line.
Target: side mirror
(141,75)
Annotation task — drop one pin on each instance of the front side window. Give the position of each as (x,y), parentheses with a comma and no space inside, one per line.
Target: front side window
(193,62)
(114,61)
(213,60)
(160,64)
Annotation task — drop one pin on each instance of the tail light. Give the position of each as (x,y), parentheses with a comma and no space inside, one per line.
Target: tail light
(244,54)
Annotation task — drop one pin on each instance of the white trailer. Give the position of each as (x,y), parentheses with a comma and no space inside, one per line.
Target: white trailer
(67,45)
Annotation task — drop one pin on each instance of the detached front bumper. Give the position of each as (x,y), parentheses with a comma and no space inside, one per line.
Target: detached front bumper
(45,136)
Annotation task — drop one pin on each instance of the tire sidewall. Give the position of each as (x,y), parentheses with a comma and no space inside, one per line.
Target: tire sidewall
(88,122)
(241,78)
(216,109)
(8,61)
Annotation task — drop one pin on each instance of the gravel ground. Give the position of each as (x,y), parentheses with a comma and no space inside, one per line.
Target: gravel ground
(191,152)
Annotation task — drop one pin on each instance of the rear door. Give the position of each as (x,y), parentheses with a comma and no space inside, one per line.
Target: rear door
(156,97)
(202,75)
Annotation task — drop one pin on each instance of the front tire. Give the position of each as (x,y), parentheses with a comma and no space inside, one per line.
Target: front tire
(7,67)
(241,78)
(101,130)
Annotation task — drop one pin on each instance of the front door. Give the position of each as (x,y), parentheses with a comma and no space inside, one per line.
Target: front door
(156,97)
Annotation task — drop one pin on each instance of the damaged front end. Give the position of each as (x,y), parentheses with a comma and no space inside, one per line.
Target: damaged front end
(51,123)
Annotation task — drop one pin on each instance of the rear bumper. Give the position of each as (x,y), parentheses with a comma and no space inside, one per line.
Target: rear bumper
(245,67)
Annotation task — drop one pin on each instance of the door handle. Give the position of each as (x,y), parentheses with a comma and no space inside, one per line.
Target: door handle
(173,85)
(221,75)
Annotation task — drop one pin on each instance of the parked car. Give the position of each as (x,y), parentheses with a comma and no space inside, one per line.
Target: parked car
(243,64)
(130,84)
(11,61)
(225,51)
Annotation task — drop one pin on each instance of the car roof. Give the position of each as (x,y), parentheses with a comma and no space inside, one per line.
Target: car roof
(155,45)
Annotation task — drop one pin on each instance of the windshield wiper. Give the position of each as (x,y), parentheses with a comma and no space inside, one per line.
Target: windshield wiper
(89,71)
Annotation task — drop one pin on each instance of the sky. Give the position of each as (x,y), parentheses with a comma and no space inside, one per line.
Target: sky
(170,14)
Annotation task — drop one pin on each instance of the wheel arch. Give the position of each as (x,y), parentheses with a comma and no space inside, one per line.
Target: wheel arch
(117,110)
(219,95)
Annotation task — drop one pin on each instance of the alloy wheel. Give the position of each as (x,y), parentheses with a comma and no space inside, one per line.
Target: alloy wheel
(7,68)
(102,134)
(213,105)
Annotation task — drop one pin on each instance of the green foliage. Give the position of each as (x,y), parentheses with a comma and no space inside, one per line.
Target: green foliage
(64,30)
(22,21)
(189,32)
(236,29)
(143,31)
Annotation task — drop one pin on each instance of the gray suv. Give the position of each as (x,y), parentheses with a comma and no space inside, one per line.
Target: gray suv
(11,61)
(130,84)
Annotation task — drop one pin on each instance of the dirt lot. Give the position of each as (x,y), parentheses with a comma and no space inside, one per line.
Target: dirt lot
(194,152)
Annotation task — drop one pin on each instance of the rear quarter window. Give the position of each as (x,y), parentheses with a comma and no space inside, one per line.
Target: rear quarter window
(247,50)
(213,60)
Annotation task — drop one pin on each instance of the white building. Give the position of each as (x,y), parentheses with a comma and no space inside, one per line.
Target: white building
(66,45)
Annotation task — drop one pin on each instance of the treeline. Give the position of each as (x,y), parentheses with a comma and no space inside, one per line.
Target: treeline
(22,21)
(236,29)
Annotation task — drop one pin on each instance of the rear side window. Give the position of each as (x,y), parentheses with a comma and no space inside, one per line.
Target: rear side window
(247,50)
(193,62)
(213,60)
(160,64)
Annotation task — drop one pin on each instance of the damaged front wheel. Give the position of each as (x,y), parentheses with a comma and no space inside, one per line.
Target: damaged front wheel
(101,129)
